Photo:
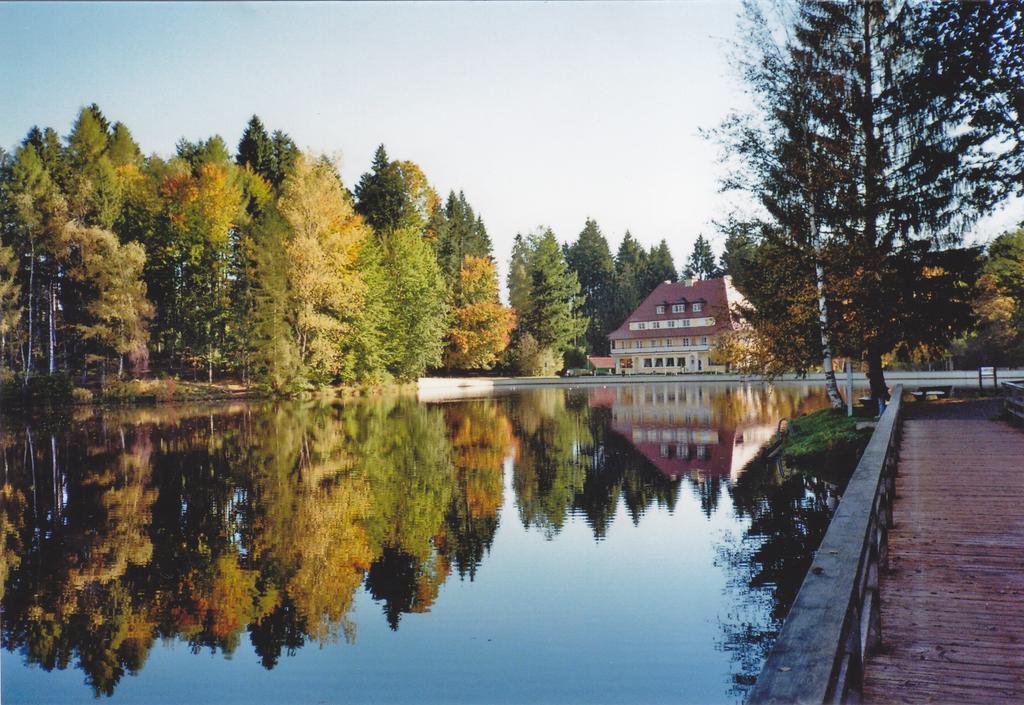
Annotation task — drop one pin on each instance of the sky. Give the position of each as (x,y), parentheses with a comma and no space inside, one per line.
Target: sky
(544,114)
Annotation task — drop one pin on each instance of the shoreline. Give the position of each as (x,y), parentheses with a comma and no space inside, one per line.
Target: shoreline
(956,377)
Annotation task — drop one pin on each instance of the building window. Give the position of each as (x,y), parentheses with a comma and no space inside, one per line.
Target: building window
(659,362)
(683,451)
(656,324)
(671,324)
(702,452)
(670,362)
(641,326)
(647,362)
(686,342)
(703,340)
(682,362)
(686,323)
(639,343)
(660,308)
(697,307)
(664,450)
(678,308)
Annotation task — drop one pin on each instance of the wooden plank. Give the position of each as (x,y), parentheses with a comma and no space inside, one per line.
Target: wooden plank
(951,608)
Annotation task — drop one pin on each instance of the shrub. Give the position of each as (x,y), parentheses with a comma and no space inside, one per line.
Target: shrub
(575,358)
(81,395)
(530,359)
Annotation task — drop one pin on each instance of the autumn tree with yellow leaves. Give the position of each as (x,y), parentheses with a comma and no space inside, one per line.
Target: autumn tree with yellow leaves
(481,326)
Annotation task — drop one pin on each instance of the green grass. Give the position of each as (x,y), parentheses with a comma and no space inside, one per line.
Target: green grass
(822,434)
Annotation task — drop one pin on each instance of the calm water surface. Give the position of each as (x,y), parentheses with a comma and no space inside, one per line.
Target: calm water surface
(556,545)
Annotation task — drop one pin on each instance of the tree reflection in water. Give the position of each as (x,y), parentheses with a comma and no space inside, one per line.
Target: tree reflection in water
(209,525)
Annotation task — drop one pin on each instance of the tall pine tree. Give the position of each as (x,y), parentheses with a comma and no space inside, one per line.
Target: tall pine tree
(701,263)
(591,259)
(554,315)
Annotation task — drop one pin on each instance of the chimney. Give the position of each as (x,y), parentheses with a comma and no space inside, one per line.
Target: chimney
(688,281)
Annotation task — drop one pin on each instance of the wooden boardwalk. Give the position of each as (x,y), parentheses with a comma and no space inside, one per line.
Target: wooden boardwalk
(952,603)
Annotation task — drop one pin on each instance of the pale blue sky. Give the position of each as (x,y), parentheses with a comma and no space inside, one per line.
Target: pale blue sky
(543,113)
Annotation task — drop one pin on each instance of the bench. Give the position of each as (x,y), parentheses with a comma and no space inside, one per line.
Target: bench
(923,393)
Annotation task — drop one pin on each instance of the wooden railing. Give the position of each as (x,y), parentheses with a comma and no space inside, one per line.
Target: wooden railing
(834,622)
(1015,398)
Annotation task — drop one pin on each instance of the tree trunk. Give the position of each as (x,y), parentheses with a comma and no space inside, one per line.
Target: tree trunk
(876,378)
(51,332)
(120,366)
(872,171)
(831,387)
(31,307)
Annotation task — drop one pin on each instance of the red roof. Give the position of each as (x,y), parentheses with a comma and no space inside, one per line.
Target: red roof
(715,294)
(601,363)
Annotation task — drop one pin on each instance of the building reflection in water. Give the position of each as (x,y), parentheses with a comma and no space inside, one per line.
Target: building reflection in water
(681,432)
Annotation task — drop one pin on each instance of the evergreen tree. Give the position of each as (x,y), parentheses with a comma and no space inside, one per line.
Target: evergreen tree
(50,150)
(630,273)
(970,79)
(519,276)
(737,259)
(381,195)
(658,268)
(591,259)
(278,362)
(463,235)
(554,314)
(701,263)
(285,155)
(256,150)
(213,150)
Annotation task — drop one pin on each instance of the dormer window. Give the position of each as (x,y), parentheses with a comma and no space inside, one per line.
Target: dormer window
(660,308)
(697,307)
(678,308)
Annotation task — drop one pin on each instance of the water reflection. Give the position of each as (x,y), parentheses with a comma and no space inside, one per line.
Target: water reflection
(210,526)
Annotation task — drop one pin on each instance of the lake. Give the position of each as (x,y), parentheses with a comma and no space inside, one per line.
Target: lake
(551,545)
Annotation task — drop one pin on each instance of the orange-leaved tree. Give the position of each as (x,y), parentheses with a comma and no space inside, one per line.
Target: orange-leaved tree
(481,325)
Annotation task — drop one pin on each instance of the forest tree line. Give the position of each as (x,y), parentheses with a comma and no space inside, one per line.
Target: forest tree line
(263,266)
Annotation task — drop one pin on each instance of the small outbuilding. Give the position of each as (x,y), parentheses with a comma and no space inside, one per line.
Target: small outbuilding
(601,365)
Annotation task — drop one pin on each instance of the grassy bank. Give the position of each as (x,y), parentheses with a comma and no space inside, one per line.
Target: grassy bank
(827,433)
(52,391)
